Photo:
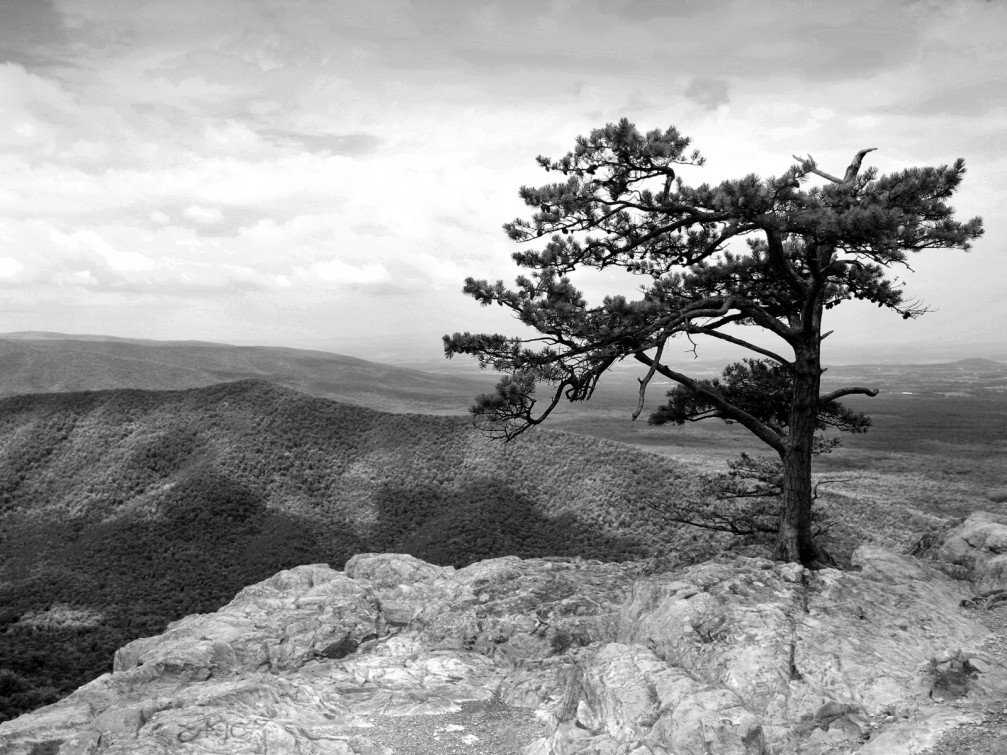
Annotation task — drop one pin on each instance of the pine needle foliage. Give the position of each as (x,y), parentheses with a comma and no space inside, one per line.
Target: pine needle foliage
(771,254)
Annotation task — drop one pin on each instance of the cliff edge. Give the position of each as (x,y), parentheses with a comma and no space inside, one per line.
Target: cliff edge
(394,655)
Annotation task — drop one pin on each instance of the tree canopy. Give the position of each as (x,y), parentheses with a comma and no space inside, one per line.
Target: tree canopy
(771,254)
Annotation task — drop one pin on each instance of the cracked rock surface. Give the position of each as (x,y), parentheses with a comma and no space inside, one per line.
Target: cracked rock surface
(563,657)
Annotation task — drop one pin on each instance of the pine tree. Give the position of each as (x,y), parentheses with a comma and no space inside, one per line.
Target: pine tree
(770,254)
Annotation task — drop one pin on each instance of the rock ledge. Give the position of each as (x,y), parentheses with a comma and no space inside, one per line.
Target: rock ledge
(395,655)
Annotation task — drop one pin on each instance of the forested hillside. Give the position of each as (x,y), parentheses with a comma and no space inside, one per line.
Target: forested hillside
(123,510)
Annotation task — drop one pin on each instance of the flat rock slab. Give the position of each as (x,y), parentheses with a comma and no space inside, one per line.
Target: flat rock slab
(546,657)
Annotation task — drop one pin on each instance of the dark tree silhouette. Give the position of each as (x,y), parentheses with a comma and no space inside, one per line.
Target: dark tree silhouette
(807,248)
(761,388)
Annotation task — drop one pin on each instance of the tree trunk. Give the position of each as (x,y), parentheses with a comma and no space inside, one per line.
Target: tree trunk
(794,541)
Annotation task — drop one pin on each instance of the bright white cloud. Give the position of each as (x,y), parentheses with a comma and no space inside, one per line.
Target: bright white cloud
(204,215)
(158,151)
(9,267)
(341,272)
(863,122)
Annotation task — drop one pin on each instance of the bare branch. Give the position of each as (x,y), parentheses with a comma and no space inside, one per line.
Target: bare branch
(827,176)
(851,172)
(710,520)
(646,380)
(723,306)
(854,169)
(740,342)
(814,494)
(872,392)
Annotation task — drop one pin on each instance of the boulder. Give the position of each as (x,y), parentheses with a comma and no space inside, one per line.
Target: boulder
(979,544)
(546,657)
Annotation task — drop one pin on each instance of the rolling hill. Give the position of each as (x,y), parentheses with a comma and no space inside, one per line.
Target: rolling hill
(123,510)
(38,362)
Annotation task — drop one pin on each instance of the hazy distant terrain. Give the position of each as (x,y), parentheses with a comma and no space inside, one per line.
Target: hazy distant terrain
(46,362)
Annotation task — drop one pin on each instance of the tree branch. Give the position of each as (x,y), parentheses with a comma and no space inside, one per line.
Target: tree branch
(813,168)
(740,342)
(774,245)
(814,492)
(851,172)
(854,169)
(767,434)
(765,320)
(646,380)
(872,392)
(724,305)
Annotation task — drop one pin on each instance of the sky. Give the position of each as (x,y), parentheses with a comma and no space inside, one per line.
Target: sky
(326,173)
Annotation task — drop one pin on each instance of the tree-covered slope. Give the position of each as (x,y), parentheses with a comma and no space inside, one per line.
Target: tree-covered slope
(123,510)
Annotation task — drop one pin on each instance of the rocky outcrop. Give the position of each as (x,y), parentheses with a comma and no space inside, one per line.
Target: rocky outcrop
(394,655)
(979,545)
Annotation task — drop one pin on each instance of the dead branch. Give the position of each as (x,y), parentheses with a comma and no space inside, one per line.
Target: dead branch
(851,172)
(646,380)
(854,389)
(854,169)
(814,493)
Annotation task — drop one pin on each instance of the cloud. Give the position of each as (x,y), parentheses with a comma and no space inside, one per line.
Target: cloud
(649,10)
(332,144)
(270,151)
(90,244)
(504,58)
(204,215)
(9,267)
(337,271)
(958,98)
(34,108)
(835,49)
(32,32)
(708,92)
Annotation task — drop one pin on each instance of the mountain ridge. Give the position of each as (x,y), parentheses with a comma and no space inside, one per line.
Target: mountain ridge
(50,362)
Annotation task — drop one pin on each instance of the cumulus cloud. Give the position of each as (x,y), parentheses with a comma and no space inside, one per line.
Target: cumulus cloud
(157,151)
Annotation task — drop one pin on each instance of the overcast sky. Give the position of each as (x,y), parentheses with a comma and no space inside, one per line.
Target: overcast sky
(321,172)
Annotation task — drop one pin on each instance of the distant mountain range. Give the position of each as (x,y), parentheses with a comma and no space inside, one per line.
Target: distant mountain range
(41,362)
(37,362)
